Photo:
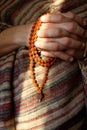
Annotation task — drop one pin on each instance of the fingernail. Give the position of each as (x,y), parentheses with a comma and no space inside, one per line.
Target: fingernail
(43,52)
(37,44)
(42,18)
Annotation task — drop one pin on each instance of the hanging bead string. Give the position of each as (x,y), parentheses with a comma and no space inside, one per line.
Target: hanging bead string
(35,58)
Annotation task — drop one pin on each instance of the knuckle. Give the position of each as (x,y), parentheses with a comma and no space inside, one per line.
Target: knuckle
(53,54)
(72,53)
(60,17)
(59,31)
(72,15)
(67,58)
(72,26)
(57,47)
(49,33)
(67,41)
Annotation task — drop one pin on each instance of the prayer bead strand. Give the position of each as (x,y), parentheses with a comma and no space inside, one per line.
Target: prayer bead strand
(35,58)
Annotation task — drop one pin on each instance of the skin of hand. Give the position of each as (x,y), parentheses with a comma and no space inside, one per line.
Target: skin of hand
(62,35)
(14,37)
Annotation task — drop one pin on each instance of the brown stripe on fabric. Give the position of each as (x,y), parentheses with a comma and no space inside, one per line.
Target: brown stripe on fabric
(68,124)
(80,9)
(56,94)
(53,110)
(80,115)
(69,5)
(35,9)
(5,5)
(2,2)
(19,7)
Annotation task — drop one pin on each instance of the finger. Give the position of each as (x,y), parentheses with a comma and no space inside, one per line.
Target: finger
(71,52)
(74,28)
(54,18)
(70,42)
(76,18)
(59,44)
(63,17)
(58,54)
(53,32)
(75,53)
(49,45)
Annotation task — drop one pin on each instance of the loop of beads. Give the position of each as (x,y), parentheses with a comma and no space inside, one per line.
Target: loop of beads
(35,58)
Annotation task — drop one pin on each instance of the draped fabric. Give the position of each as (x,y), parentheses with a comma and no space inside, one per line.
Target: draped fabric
(64,105)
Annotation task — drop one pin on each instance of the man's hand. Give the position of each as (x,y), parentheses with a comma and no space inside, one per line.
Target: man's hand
(61,35)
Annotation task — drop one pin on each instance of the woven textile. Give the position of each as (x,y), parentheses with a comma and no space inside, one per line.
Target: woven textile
(64,106)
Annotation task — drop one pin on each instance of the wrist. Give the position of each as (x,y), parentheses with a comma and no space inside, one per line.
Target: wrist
(13,38)
(21,37)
